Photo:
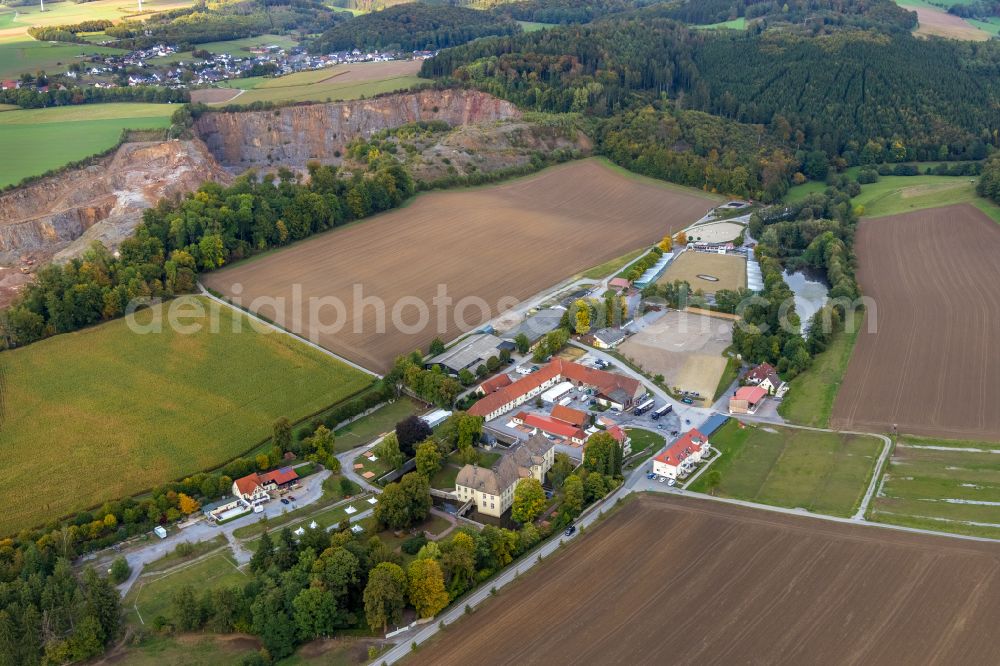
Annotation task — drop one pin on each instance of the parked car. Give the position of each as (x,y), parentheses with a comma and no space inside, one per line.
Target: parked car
(650,476)
(671,483)
(291,497)
(687,401)
(570,530)
(662,479)
(284,501)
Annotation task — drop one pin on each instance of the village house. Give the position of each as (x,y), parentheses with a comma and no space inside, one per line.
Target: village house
(254,488)
(608,338)
(681,457)
(766,377)
(747,399)
(552,427)
(492,490)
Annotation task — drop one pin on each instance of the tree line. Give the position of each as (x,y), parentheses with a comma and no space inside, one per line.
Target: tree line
(68,33)
(30,98)
(412,27)
(989,182)
(206,229)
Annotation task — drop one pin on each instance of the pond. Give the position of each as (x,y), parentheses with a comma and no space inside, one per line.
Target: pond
(810,289)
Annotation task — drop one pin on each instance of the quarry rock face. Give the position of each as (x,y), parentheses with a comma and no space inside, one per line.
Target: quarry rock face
(292,136)
(58,217)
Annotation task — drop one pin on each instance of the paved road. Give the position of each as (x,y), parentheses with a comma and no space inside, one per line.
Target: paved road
(205,530)
(347,465)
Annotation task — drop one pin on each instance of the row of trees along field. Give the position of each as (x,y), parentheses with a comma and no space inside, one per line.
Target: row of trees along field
(834,93)
(31,98)
(209,228)
(412,27)
(989,183)
(318,584)
(222,21)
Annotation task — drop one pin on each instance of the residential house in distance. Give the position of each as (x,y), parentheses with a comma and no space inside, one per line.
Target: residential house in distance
(747,399)
(492,490)
(621,437)
(619,284)
(608,338)
(681,457)
(254,488)
(766,377)
(494,384)
(612,390)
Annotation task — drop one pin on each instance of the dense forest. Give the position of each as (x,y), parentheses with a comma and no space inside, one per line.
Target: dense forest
(234,19)
(412,27)
(207,229)
(814,14)
(989,183)
(862,96)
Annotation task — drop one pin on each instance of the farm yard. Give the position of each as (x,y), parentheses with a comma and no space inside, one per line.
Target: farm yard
(723,584)
(819,471)
(45,139)
(517,239)
(945,485)
(342,82)
(685,348)
(925,357)
(126,411)
(699,268)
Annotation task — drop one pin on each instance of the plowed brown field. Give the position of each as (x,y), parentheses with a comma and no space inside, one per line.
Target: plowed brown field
(510,240)
(685,581)
(932,365)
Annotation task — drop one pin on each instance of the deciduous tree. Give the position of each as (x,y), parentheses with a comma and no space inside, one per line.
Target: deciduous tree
(529,500)
(426,587)
(385,595)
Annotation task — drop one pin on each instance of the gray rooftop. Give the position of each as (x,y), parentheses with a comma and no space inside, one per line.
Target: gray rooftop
(537,325)
(469,352)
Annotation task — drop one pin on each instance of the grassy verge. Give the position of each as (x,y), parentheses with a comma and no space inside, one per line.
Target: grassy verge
(377,423)
(327,511)
(818,471)
(612,266)
(729,375)
(150,598)
(810,396)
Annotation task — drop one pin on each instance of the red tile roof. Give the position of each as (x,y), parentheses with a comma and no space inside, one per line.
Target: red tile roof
(495,383)
(680,450)
(619,434)
(619,282)
(570,415)
(605,382)
(752,394)
(249,483)
(760,373)
(550,425)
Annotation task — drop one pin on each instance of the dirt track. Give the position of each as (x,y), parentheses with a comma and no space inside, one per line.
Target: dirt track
(510,240)
(933,366)
(683,581)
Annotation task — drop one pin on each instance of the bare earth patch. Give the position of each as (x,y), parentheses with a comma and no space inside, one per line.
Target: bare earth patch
(697,582)
(931,366)
(685,348)
(939,23)
(506,241)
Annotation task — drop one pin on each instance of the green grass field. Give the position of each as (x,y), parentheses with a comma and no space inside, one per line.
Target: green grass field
(893,195)
(818,471)
(45,139)
(645,440)
(736,24)
(27,55)
(151,597)
(944,488)
(378,422)
(810,396)
(613,266)
(315,86)
(104,413)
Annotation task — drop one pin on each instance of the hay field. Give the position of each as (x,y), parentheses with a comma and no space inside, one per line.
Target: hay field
(685,348)
(926,357)
(341,82)
(684,581)
(509,240)
(104,413)
(730,271)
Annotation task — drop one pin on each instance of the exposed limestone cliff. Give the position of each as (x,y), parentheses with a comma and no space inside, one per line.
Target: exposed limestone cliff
(292,136)
(59,216)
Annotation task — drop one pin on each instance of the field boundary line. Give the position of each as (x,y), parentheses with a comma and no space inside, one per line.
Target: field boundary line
(306,341)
